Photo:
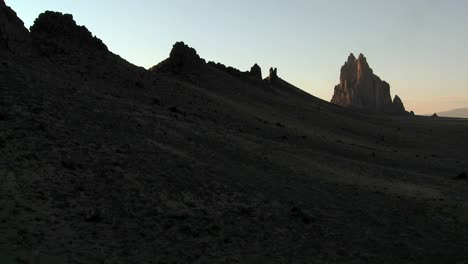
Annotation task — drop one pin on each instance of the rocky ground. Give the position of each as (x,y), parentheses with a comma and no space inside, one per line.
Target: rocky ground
(194,162)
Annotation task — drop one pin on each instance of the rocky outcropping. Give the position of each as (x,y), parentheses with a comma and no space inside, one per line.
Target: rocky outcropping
(398,106)
(256,71)
(273,75)
(13,34)
(182,59)
(57,33)
(360,88)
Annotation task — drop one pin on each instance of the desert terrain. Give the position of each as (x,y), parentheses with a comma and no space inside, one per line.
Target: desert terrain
(102,161)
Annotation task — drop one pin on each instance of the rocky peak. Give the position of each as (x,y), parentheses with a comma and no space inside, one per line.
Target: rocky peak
(57,33)
(13,34)
(184,56)
(351,59)
(361,58)
(398,106)
(182,59)
(256,71)
(362,68)
(360,88)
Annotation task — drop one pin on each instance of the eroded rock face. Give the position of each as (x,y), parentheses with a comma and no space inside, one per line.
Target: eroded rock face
(54,32)
(256,71)
(13,34)
(360,88)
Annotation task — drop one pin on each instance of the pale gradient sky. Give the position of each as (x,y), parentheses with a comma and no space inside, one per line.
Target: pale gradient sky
(419,46)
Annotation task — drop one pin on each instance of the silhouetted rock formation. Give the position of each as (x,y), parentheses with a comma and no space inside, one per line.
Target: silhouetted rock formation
(57,33)
(273,75)
(182,59)
(360,88)
(228,69)
(398,106)
(13,34)
(256,71)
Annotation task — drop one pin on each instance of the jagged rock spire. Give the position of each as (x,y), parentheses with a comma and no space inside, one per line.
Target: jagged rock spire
(273,74)
(398,105)
(360,88)
(256,71)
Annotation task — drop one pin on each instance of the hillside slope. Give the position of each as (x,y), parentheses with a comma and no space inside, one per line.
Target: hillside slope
(191,162)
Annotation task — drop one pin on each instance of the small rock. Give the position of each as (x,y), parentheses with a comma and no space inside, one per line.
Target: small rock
(69,164)
(461,176)
(302,215)
(93,216)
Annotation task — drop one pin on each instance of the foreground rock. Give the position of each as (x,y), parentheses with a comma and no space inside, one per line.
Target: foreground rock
(360,88)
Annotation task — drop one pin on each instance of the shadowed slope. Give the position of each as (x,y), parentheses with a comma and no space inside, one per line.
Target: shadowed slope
(193,162)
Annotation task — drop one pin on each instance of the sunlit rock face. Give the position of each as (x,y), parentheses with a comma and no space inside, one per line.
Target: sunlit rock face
(360,88)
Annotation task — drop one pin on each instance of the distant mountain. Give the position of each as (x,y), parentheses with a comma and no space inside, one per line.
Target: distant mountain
(459,112)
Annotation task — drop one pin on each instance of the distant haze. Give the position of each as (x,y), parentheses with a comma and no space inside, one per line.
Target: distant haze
(461,112)
(419,46)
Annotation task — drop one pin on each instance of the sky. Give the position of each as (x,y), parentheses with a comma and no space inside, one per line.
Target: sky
(419,46)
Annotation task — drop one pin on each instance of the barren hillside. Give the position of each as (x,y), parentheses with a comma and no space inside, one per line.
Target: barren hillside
(194,162)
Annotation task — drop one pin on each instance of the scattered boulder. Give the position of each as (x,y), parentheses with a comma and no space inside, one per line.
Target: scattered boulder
(13,34)
(56,33)
(256,71)
(360,88)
